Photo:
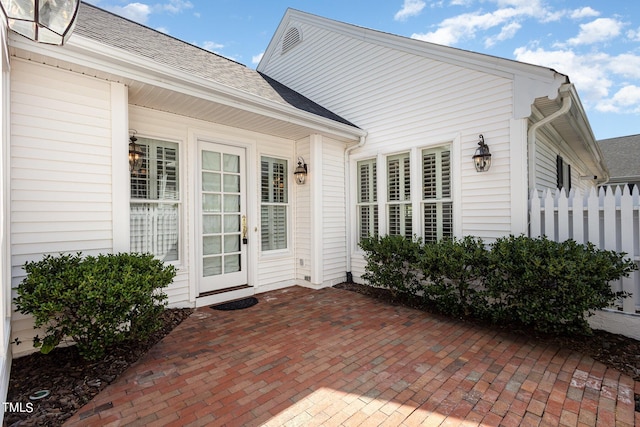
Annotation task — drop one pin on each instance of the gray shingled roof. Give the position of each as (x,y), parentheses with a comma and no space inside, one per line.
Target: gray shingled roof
(622,156)
(113,30)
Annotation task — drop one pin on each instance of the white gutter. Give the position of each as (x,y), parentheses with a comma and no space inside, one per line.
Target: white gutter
(347,196)
(565,94)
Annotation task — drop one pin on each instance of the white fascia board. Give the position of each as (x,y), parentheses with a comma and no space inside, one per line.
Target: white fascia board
(88,53)
(583,127)
(486,63)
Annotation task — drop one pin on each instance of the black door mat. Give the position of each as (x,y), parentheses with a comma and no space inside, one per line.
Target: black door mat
(236,305)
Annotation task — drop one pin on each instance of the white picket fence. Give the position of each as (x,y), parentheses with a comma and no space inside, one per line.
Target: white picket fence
(610,219)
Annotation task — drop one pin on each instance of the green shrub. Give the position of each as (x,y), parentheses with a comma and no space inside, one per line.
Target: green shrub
(96,301)
(454,269)
(391,263)
(551,286)
(538,283)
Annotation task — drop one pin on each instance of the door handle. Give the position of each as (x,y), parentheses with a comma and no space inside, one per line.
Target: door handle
(244,230)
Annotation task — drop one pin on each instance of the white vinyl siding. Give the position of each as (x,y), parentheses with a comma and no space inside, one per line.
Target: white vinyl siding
(367,198)
(399,209)
(428,102)
(437,204)
(273,203)
(334,229)
(155,201)
(61,170)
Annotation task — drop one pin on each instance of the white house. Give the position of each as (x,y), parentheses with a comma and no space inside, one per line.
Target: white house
(424,106)
(386,126)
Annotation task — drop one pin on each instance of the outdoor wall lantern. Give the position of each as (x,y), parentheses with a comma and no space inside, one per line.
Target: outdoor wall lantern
(135,154)
(482,157)
(44,21)
(301,171)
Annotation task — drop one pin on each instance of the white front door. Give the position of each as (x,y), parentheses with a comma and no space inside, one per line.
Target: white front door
(222,221)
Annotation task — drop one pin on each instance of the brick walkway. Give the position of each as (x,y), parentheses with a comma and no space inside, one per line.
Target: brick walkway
(332,357)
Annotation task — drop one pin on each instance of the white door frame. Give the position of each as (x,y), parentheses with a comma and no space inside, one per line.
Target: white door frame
(223,281)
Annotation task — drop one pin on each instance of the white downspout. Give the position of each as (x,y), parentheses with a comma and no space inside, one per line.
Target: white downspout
(565,94)
(347,195)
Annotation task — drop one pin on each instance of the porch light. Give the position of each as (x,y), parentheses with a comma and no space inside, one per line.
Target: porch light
(482,157)
(301,171)
(135,154)
(44,21)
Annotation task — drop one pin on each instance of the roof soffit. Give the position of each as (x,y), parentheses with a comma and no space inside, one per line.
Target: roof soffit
(90,57)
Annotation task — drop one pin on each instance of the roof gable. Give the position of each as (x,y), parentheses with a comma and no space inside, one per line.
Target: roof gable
(469,59)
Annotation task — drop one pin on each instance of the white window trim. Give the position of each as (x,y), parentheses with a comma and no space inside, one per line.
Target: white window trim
(182,178)
(453,142)
(275,253)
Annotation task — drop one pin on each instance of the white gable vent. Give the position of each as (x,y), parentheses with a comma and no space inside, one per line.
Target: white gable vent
(291,38)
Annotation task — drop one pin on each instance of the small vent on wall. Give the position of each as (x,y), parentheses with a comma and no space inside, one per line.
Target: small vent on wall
(291,38)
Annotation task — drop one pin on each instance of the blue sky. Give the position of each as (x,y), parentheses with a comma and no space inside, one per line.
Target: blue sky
(595,42)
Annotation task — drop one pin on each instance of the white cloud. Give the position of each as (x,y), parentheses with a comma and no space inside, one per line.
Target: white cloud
(212,46)
(585,12)
(602,29)
(256,58)
(587,72)
(507,32)
(409,8)
(174,6)
(627,99)
(634,35)
(626,65)
(509,14)
(137,12)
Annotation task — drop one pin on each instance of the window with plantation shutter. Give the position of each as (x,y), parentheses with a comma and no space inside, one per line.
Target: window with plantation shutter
(274,203)
(436,194)
(399,215)
(367,199)
(155,201)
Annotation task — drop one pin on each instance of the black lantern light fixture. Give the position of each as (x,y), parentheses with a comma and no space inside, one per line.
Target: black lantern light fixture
(301,171)
(482,157)
(135,154)
(44,21)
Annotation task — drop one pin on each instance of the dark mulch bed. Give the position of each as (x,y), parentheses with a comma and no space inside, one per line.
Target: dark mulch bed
(71,380)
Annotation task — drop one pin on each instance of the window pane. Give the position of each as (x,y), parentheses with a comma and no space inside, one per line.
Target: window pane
(211,245)
(436,194)
(273,179)
(367,181)
(211,181)
(399,195)
(367,198)
(212,266)
(210,161)
(273,227)
(211,224)
(157,179)
(231,163)
(231,263)
(154,229)
(273,195)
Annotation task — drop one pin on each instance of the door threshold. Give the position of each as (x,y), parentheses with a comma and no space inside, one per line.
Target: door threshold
(224,295)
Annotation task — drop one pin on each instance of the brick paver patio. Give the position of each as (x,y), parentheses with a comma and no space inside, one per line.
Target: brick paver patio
(332,357)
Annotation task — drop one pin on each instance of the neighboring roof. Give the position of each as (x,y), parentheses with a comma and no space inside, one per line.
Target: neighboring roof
(622,156)
(112,30)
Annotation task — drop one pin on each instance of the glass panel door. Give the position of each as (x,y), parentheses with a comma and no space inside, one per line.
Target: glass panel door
(222,217)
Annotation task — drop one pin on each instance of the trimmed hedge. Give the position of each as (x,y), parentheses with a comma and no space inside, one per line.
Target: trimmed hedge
(96,301)
(533,282)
